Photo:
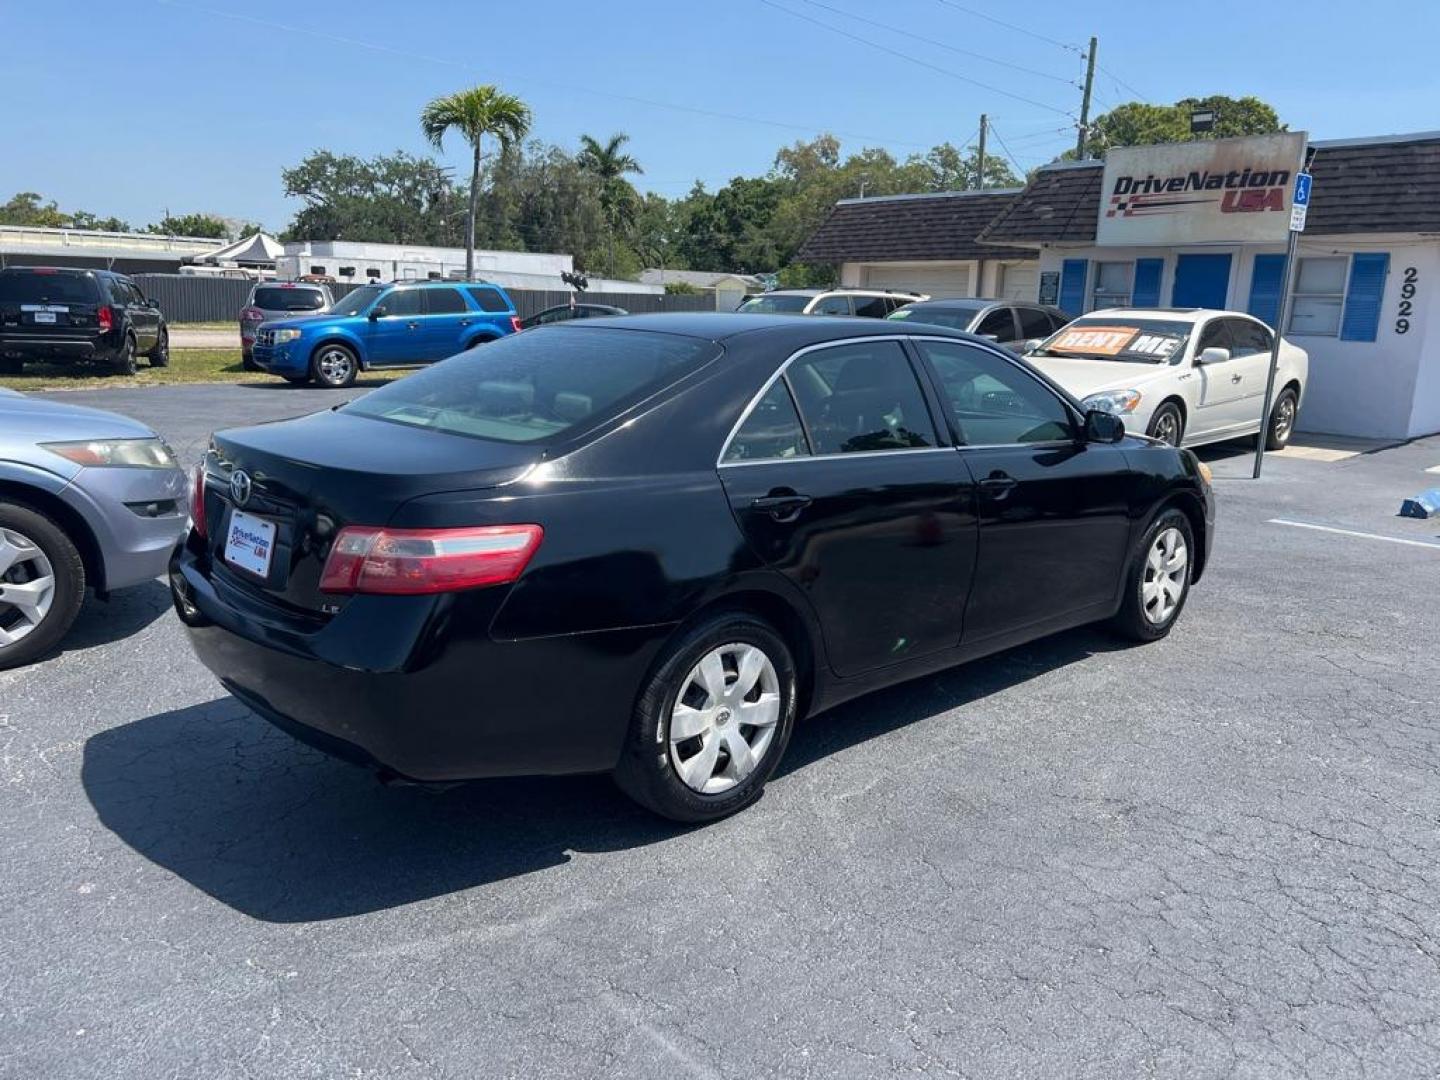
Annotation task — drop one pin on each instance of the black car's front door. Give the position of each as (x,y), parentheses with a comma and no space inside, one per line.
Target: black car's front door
(1053,509)
(860,506)
(144,317)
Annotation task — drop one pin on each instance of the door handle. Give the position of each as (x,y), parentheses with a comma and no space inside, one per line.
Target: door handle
(1236,377)
(412,325)
(782,505)
(998,484)
(464,322)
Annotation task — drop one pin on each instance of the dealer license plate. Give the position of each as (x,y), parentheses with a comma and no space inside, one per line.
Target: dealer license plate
(45,316)
(250,544)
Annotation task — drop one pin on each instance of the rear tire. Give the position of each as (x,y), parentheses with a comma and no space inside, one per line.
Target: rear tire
(159,356)
(34,550)
(1282,421)
(124,361)
(712,722)
(335,366)
(1167,424)
(1158,581)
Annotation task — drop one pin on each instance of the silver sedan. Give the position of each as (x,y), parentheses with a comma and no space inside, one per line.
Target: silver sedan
(87,499)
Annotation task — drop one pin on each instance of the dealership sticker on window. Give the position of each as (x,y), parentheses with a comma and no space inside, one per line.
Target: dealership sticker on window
(1116,341)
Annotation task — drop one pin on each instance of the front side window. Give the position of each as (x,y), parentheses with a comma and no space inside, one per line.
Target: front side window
(1112,284)
(357,300)
(1034,323)
(1216,335)
(832,305)
(772,431)
(991,401)
(1319,295)
(1249,338)
(861,397)
(403,302)
(444,302)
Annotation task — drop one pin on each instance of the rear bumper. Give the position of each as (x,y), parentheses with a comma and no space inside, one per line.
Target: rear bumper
(44,347)
(416,686)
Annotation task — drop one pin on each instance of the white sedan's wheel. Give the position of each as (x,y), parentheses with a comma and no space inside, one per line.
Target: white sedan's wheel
(724,718)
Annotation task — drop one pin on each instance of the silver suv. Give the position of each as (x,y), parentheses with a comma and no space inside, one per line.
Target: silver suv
(279,300)
(867,303)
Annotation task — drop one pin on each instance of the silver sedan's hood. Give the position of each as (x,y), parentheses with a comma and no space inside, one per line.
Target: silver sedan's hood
(1085,377)
(30,419)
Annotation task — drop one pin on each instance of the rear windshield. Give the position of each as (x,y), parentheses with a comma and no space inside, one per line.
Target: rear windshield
(47,288)
(275,298)
(957,318)
(772,305)
(538,385)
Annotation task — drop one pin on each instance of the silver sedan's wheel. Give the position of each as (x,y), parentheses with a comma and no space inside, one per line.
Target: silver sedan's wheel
(1166,568)
(724,718)
(27,587)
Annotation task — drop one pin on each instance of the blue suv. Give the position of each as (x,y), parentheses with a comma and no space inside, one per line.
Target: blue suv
(378,326)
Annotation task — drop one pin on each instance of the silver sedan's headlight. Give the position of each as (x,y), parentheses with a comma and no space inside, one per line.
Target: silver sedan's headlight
(124,453)
(282,336)
(1119,402)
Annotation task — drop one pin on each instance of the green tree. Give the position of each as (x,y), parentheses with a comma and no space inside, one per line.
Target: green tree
(26,208)
(83,219)
(609,164)
(1138,124)
(947,168)
(475,113)
(391,198)
(207,225)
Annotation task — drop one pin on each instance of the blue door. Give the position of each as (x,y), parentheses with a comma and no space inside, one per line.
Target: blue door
(1201,281)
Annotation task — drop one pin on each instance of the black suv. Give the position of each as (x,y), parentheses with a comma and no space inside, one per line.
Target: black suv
(49,313)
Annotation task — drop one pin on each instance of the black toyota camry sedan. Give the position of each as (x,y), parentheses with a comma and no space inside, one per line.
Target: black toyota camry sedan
(647,544)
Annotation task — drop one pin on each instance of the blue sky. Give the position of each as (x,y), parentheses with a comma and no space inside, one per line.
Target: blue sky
(197,106)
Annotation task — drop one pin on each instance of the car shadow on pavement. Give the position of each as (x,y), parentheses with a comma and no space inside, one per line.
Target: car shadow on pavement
(127,612)
(282,833)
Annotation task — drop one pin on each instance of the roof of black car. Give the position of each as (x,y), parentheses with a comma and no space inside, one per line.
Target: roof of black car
(717,326)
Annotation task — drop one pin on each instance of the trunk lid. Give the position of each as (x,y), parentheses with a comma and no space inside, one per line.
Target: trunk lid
(45,303)
(309,477)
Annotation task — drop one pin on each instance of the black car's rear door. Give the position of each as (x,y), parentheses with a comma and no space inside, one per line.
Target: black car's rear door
(860,504)
(1054,511)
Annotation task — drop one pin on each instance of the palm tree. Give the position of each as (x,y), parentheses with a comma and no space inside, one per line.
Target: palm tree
(609,164)
(475,113)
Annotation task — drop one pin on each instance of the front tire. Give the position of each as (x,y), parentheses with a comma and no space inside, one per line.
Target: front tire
(1282,421)
(42,584)
(712,722)
(1158,581)
(1167,425)
(335,366)
(160,355)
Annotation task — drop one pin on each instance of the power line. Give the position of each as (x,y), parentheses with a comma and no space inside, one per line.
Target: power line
(1008,154)
(567,87)
(1011,26)
(915,59)
(1121,82)
(942,44)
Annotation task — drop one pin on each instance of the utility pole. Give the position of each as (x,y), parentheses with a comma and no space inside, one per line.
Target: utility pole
(980,169)
(1085,101)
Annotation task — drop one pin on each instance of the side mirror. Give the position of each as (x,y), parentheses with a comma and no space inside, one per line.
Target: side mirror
(1103,427)
(991,337)
(1213,355)
(378,312)
(1031,344)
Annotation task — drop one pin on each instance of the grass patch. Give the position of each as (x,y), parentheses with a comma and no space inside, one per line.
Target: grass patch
(232,324)
(186,366)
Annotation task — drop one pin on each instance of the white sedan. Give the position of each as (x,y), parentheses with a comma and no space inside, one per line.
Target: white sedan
(1192,376)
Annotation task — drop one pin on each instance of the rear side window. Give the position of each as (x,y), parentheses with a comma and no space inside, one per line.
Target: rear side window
(873,307)
(538,386)
(861,397)
(832,305)
(32,288)
(771,431)
(1034,323)
(999,324)
(488,299)
(444,302)
(274,298)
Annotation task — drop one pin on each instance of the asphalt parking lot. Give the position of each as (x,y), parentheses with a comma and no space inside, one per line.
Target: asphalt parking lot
(1217,856)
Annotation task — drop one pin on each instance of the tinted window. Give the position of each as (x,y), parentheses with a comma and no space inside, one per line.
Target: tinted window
(775,304)
(444,302)
(1034,323)
(832,305)
(488,299)
(873,307)
(119,294)
(353,303)
(276,298)
(1216,335)
(957,318)
(999,323)
(535,386)
(993,402)
(861,397)
(554,315)
(403,302)
(32,288)
(772,430)
(1249,337)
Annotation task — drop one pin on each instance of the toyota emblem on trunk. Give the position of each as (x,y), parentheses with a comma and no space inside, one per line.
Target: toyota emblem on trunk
(240,487)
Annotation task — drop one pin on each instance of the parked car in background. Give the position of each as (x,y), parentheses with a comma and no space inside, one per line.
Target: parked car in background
(867,303)
(87,499)
(61,313)
(378,326)
(1188,376)
(566,312)
(278,300)
(1005,322)
(645,545)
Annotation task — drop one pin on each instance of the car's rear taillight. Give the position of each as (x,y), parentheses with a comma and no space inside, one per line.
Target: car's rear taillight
(252,314)
(420,561)
(106,318)
(197,501)
(515,323)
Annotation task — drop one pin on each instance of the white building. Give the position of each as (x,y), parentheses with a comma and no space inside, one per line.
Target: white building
(1366,288)
(126,252)
(729,289)
(359,262)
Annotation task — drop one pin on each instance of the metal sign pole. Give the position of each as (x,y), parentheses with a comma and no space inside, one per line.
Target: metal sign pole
(1297,225)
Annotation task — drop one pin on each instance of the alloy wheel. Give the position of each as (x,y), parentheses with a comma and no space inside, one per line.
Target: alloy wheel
(1167,427)
(27,586)
(1166,567)
(335,365)
(724,718)
(1284,418)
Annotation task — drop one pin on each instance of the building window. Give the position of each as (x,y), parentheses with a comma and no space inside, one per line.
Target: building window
(1319,295)
(317,270)
(1112,284)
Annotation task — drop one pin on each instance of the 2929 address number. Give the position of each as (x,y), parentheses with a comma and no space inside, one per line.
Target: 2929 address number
(1408,287)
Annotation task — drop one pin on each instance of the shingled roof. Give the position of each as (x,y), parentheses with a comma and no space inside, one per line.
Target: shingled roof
(1387,184)
(905,228)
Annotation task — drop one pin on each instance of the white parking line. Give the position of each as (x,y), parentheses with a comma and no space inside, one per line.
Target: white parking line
(1352,532)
